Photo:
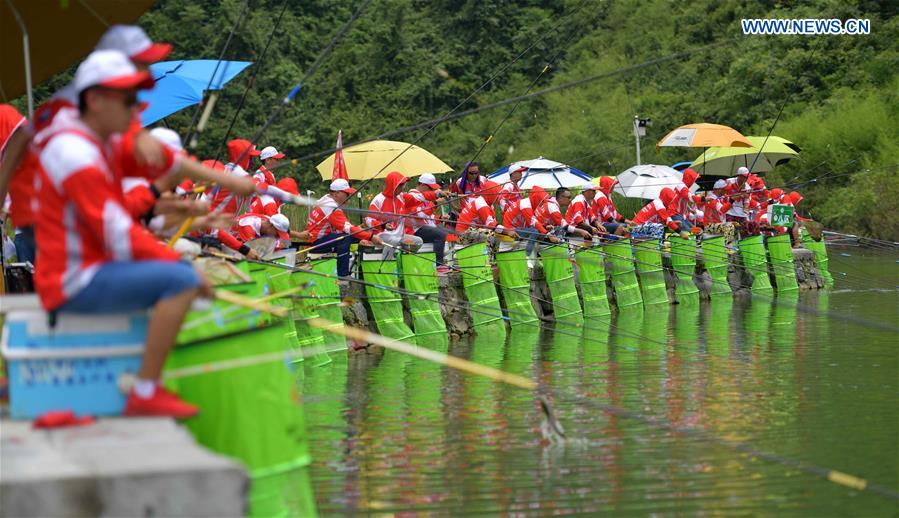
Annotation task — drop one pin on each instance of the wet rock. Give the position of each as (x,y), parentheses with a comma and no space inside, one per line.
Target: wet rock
(807,274)
(540,294)
(454,305)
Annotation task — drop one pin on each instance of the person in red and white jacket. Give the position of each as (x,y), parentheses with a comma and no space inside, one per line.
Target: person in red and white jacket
(331,231)
(658,211)
(271,205)
(420,204)
(92,256)
(550,213)
(479,211)
(254,226)
(510,192)
(521,216)
(469,184)
(271,159)
(578,213)
(603,210)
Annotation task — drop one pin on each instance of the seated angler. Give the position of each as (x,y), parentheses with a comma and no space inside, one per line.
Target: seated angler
(420,206)
(330,229)
(603,211)
(468,185)
(479,214)
(93,257)
(550,214)
(254,226)
(386,216)
(271,160)
(510,192)
(651,218)
(578,213)
(521,217)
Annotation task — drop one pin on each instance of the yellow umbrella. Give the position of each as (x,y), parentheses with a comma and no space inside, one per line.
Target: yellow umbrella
(371,159)
(704,135)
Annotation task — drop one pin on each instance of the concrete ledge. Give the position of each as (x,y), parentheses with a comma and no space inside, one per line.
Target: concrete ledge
(118,467)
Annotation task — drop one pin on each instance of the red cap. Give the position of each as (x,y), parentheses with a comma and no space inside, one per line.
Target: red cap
(288,184)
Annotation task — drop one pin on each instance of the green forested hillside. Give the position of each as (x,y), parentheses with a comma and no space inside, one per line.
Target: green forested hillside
(407,61)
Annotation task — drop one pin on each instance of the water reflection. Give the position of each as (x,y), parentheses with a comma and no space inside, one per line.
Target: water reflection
(390,433)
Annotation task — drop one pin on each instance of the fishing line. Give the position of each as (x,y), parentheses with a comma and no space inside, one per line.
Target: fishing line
(831,475)
(453,116)
(190,139)
(252,79)
(437,121)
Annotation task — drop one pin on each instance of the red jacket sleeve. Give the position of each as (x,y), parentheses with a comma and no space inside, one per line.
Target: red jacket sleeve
(338,220)
(228,240)
(246,233)
(139,201)
(98,205)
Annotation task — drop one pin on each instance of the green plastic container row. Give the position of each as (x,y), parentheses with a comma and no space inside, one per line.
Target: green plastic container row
(820,251)
(420,278)
(592,279)
(329,305)
(652,275)
(781,251)
(516,286)
(683,261)
(477,281)
(386,304)
(624,280)
(714,254)
(752,250)
(560,278)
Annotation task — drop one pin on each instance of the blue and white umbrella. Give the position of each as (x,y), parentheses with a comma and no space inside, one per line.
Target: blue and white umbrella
(546,173)
(180,84)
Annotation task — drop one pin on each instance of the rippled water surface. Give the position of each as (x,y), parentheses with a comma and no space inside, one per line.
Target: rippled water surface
(390,433)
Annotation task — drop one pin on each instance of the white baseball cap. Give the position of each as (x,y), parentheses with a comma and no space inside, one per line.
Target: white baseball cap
(429,180)
(743,171)
(134,42)
(282,224)
(342,185)
(270,152)
(168,137)
(588,186)
(720,184)
(110,69)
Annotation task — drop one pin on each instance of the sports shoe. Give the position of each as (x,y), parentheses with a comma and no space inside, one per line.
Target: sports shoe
(162,404)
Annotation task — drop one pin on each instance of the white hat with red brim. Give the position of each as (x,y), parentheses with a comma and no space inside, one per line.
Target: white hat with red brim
(110,69)
(281,224)
(429,180)
(270,152)
(342,185)
(134,42)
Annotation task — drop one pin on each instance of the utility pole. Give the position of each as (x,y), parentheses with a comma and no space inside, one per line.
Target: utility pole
(640,131)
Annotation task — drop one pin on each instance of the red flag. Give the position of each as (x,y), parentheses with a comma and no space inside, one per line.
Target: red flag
(339,165)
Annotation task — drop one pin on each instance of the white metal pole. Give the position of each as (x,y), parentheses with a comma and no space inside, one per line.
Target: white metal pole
(637,137)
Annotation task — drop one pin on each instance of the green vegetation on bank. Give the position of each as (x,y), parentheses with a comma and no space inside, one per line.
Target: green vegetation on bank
(407,61)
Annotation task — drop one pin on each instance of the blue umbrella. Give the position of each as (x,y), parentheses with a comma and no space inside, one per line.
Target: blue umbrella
(180,84)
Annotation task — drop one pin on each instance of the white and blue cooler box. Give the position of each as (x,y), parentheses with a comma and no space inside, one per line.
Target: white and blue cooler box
(76,365)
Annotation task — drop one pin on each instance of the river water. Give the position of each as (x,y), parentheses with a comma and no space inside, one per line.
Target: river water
(809,378)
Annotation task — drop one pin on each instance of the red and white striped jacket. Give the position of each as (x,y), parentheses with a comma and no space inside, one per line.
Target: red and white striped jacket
(327,218)
(479,213)
(248,227)
(603,209)
(265,204)
(509,194)
(456,188)
(264,176)
(657,211)
(421,206)
(84,222)
(550,214)
(579,211)
(391,208)
(520,214)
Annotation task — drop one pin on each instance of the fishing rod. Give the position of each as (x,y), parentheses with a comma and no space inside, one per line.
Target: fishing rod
(472,94)
(831,475)
(190,137)
(452,115)
(256,69)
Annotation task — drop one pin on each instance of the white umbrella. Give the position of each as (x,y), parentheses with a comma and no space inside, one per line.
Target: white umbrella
(647,181)
(544,173)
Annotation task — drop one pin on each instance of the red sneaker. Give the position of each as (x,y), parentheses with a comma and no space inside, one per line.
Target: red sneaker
(162,404)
